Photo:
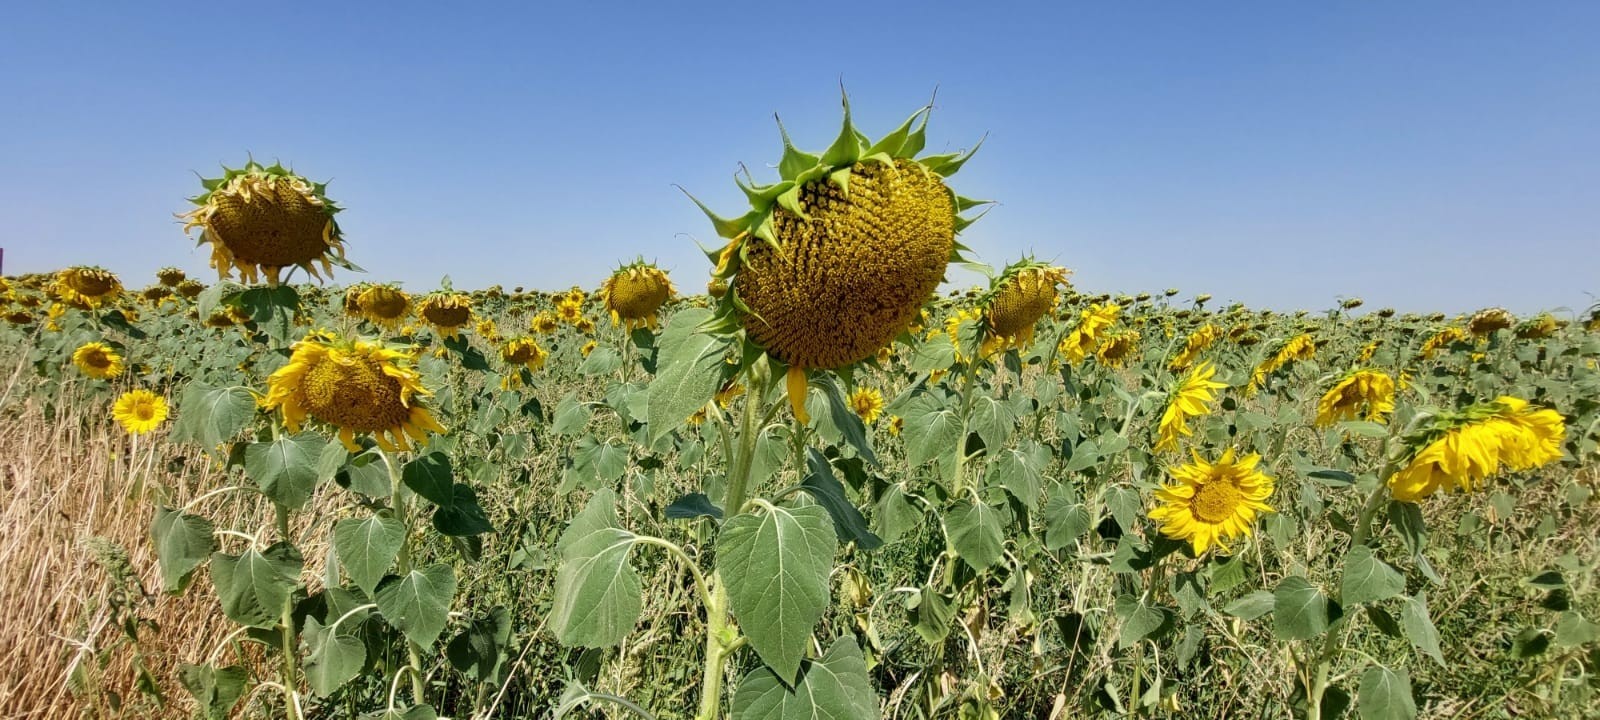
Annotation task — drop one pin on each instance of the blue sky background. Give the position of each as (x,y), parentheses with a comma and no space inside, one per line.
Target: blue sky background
(1423,155)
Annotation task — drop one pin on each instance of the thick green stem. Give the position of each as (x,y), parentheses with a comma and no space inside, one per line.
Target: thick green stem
(968,379)
(403,567)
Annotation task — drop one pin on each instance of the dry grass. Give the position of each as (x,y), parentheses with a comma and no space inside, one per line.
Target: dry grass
(65,482)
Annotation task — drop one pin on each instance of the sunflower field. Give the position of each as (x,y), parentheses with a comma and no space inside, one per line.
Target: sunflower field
(827,486)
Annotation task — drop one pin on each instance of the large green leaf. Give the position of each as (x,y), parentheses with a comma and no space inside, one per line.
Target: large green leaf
(832,687)
(253,587)
(1064,522)
(977,534)
(367,547)
(211,416)
(183,541)
(1020,470)
(216,689)
(1419,626)
(598,594)
(775,564)
(332,657)
(572,415)
(1251,606)
(481,650)
(1300,610)
(463,517)
(286,468)
(431,477)
(932,429)
(848,522)
(1368,579)
(1140,620)
(418,603)
(688,369)
(1385,695)
(896,513)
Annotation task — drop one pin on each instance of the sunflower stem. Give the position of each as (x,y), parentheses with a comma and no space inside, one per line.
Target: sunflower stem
(403,566)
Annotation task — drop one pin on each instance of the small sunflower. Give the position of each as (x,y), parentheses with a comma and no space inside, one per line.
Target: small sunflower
(1197,342)
(584,325)
(1540,327)
(1298,348)
(1486,321)
(1188,399)
(139,411)
(356,386)
(487,330)
(1117,347)
(171,276)
(523,352)
(1442,339)
(544,323)
(384,305)
(897,425)
(87,288)
(1367,351)
(588,347)
(97,360)
(1085,337)
(191,288)
(868,404)
(1373,389)
(634,293)
(570,310)
(1464,449)
(446,311)
(1023,294)
(350,304)
(260,220)
(1213,502)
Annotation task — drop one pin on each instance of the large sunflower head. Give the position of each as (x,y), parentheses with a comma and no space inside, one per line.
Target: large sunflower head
(834,260)
(1461,450)
(97,360)
(171,276)
(1364,388)
(384,305)
(87,288)
(358,386)
(1022,294)
(1213,502)
(634,293)
(191,288)
(139,411)
(1541,326)
(260,220)
(446,311)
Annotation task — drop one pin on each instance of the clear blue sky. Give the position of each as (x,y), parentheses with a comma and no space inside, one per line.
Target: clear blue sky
(1439,155)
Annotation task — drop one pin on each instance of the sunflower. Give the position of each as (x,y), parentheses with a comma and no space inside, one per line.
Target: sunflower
(487,330)
(570,310)
(835,259)
(1086,336)
(1187,399)
(53,317)
(87,288)
(584,325)
(384,305)
(1367,350)
(1197,342)
(952,329)
(588,347)
(1486,321)
(350,304)
(97,360)
(357,386)
(19,317)
(446,311)
(1022,294)
(1344,400)
(868,404)
(191,288)
(1539,327)
(139,411)
(262,219)
(1213,502)
(544,323)
(1117,347)
(634,293)
(1442,339)
(897,424)
(1464,449)
(524,352)
(1299,347)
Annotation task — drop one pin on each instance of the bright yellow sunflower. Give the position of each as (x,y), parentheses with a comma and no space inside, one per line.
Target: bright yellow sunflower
(1367,351)
(97,360)
(634,293)
(1373,389)
(1299,347)
(588,347)
(87,288)
(1198,341)
(262,219)
(868,404)
(544,323)
(1442,339)
(446,311)
(1464,449)
(523,352)
(139,411)
(384,305)
(1188,399)
(1213,503)
(359,387)
(1117,347)
(1085,338)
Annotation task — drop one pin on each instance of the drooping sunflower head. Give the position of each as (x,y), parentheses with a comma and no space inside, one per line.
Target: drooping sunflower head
(1372,390)
(360,387)
(384,305)
(191,288)
(446,311)
(87,288)
(1542,326)
(260,220)
(171,276)
(634,293)
(1486,321)
(97,360)
(19,317)
(1197,342)
(1461,450)
(1213,502)
(1117,347)
(523,351)
(834,260)
(544,323)
(1022,294)
(350,304)
(155,294)
(139,411)
(1442,338)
